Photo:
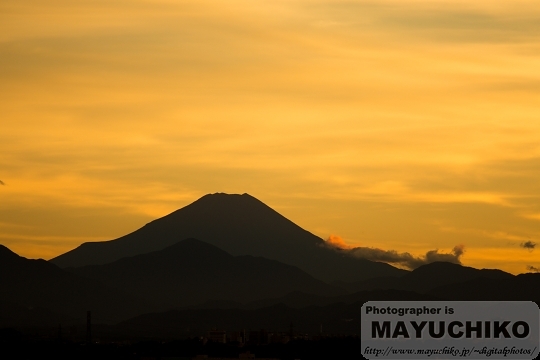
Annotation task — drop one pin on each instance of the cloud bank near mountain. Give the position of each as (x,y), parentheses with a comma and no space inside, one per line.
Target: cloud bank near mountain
(336,241)
(404,259)
(407,260)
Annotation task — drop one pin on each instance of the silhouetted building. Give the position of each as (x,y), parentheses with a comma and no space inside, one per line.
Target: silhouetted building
(258,337)
(89,326)
(219,336)
(278,338)
(237,336)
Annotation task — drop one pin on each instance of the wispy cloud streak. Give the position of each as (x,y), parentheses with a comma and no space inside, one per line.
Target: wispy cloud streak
(529,245)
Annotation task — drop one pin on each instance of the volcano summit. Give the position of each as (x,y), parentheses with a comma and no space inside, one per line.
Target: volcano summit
(240,225)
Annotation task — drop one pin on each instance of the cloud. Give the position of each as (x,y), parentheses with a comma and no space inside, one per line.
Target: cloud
(528,245)
(337,242)
(458,250)
(2,183)
(533,269)
(406,259)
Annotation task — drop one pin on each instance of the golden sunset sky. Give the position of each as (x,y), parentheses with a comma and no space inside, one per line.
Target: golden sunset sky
(400,125)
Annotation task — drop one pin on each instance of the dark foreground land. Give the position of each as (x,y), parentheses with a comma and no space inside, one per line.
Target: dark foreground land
(24,346)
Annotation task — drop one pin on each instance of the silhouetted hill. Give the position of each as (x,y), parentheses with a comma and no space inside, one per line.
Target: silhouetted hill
(35,291)
(377,283)
(300,300)
(436,274)
(192,272)
(337,315)
(517,288)
(428,277)
(16,315)
(240,225)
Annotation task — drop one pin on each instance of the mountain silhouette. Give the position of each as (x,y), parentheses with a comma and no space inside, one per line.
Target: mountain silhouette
(516,288)
(427,277)
(39,290)
(240,225)
(192,272)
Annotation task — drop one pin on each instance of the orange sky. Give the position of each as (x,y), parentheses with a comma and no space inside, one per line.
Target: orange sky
(402,125)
